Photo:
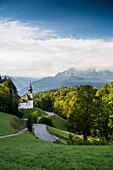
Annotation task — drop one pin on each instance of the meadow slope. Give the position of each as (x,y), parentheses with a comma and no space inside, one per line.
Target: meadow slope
(26,152)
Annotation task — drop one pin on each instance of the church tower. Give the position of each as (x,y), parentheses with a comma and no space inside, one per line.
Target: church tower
(30,91)
(0,78)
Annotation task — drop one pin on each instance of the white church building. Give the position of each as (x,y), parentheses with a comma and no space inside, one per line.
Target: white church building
(26,101)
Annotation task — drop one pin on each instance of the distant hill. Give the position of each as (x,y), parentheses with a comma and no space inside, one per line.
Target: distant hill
(71,77)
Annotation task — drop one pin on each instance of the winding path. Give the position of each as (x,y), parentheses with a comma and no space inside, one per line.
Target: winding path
(41,132)
(49,113)
(18,133)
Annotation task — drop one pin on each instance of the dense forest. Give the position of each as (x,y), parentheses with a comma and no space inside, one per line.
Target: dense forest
(8,96)
(89,111)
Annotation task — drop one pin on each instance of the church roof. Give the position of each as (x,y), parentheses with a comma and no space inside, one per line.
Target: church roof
(25,98)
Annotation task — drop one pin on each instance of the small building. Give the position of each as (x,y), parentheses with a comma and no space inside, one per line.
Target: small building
(26,101)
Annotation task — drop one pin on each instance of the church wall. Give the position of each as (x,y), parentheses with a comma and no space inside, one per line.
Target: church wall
(30,104)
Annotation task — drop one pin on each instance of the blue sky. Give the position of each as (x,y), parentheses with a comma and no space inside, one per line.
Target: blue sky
(58,32)
(77,18)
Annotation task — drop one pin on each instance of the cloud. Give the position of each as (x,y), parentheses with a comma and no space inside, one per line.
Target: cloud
(29,51)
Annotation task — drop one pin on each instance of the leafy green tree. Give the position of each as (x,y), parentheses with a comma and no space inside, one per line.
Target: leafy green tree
(82,111)
(103,127)
(8,97)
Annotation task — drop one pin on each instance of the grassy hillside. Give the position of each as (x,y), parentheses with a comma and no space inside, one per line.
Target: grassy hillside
(26,152)
(10,124)
(62,133)
(59,122)
(27,112)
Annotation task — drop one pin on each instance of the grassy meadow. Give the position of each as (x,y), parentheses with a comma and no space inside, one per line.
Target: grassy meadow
(26,152)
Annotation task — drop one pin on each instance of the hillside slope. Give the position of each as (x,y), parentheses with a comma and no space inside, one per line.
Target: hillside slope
(10,124)
(26,152)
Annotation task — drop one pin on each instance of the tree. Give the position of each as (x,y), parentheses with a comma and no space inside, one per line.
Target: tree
(35,115)
(82,110)
(46,120)
(29,123)
(104,121)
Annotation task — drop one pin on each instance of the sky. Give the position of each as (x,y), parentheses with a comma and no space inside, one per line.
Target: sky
(39,38)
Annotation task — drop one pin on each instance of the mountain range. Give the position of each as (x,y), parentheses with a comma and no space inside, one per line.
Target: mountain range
(69,78)
(21,82)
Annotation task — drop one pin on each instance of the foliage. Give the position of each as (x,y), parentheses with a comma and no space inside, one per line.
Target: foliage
(27,112)
(46,120)
(81,113)
(88,110)
(29,123)
(8,97)
(35,115)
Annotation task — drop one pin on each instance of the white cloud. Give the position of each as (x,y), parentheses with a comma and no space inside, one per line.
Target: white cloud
(28,51)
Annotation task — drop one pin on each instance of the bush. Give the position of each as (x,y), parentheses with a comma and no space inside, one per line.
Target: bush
(17,124)
(46,120)
(58,142)
(34,115)
(100,142)
(29,123)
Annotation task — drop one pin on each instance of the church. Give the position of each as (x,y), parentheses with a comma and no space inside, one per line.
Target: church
(26,101)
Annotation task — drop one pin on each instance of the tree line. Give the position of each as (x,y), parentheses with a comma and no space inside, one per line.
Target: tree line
(8,96)
(89,111)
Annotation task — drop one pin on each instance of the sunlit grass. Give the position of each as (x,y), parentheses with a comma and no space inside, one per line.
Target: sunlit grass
(59,122)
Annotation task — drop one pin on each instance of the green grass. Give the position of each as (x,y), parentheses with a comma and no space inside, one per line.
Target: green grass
(59,122)
(5,127)
(26,152)
(27,112)
(62,133)
(10,124)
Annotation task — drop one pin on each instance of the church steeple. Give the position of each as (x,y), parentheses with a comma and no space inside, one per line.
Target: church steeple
(30,89)
(0,78)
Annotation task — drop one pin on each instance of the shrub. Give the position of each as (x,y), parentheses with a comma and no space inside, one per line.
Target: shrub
(100,142)
(29,123)
(34,115)
(46,120)
(58,142)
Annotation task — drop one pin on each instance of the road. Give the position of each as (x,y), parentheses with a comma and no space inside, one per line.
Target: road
(41,132)
(18,133)
(49,113)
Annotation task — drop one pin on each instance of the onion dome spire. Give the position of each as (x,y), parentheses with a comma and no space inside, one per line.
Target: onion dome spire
(0,78)
(30,88)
